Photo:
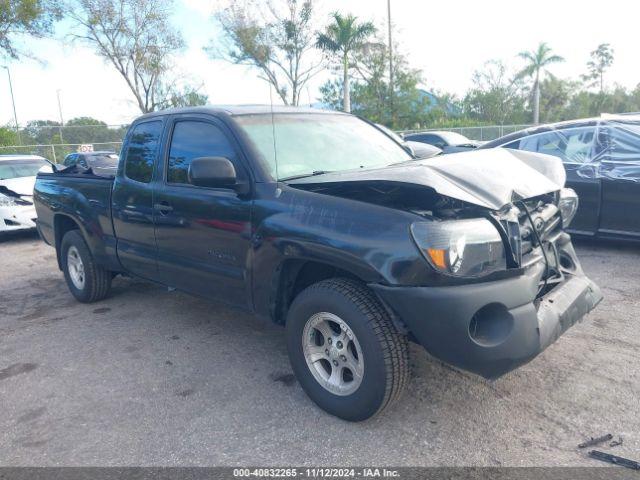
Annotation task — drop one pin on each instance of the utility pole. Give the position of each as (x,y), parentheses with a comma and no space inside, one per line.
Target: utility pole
(391,89)
(15,115)
(60,113)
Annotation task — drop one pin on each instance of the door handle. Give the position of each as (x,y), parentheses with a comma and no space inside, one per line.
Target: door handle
(163,208)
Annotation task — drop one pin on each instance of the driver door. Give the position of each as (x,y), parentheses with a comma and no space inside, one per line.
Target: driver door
(203,234)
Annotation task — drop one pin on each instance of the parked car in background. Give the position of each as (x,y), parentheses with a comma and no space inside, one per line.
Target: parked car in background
(448,142)
(602,159)
(323,223)
(102,162)
(419,150)
(17,178)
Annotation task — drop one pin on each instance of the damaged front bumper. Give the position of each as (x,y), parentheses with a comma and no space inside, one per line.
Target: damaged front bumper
(494,327)
(17,217)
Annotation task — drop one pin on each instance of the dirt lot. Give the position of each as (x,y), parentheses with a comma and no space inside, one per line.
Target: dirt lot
(150,377)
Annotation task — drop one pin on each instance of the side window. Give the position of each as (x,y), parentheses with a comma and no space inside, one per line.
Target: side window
(194,139)
(624,141)
(513,145)
(572,145)
(432,139)
(141,153)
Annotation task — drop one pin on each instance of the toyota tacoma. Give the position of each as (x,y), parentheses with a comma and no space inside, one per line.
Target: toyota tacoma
(325,224)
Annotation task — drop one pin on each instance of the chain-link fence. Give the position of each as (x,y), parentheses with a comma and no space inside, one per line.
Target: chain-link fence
(484,133)
(45,140)
(56,152)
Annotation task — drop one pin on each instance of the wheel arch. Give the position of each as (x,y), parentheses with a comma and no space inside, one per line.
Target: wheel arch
(62,224)
(294,275)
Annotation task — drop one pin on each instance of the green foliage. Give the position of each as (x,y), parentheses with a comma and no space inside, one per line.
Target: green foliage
(8,136)
(537,64)
(136,37)
(189,97)
(601,60)
(344,35)
(341,38)
(275,37)
(496,96)
(371,97)
(25,17)
(537,61)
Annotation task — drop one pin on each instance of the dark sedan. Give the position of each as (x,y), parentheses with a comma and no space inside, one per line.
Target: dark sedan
(103,162)
(602,159)
(448,142)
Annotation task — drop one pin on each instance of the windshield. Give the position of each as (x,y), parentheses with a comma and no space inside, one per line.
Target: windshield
(20,168)
(308,143)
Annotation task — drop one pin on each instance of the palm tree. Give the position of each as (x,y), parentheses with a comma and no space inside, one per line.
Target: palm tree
(537,63)
(340,38)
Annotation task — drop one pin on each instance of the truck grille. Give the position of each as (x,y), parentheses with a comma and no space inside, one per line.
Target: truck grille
(521,236)
(546,219)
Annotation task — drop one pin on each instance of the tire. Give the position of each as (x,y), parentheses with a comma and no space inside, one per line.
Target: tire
(365,382)
(96,281)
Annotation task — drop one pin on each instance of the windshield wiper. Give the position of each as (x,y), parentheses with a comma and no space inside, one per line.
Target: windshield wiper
(305,175)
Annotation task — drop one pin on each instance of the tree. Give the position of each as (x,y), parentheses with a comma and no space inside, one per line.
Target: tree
(188,97)
(371,96)
(25,17)
(8,136)
(601,60)
(538,62)
(555,99)
(341,38)
(90,130)
(275,38)
(136,37)
(496,96)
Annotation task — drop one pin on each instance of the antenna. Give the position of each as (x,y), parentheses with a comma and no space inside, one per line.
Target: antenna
(273,132)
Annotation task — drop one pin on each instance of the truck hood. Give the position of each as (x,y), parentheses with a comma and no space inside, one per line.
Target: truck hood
(22,186)
(489,178)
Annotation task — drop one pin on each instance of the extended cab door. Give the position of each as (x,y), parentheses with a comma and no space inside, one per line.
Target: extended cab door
(203,234)
(619,170)
(132,200)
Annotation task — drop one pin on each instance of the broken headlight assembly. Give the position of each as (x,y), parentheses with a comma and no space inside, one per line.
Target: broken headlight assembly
(6,201)
(568,205)
(462,248)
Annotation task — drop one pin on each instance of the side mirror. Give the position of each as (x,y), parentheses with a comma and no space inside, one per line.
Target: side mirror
(214,172)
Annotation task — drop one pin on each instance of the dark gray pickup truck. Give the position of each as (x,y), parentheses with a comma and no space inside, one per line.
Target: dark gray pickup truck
(325,224)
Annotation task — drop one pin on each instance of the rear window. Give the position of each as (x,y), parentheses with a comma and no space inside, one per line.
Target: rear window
(142,151)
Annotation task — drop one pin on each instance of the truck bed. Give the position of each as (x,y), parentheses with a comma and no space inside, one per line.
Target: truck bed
(82,198)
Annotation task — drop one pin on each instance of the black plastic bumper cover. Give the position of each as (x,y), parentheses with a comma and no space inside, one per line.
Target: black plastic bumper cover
(440,317)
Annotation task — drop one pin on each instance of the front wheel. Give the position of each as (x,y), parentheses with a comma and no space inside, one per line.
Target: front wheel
(345,350)
(87,281)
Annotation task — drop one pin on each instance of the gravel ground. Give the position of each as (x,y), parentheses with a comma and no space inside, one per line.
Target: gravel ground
(151,377)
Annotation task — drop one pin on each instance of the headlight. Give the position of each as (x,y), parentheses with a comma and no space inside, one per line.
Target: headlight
(463,248)
(6,201)
(568,205)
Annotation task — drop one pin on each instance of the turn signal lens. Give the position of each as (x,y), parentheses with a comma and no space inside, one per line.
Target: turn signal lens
(437,257)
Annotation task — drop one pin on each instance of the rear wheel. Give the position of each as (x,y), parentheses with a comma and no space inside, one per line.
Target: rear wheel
(87,281)
(345,350)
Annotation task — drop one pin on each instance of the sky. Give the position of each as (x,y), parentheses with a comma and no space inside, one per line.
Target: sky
(447,40)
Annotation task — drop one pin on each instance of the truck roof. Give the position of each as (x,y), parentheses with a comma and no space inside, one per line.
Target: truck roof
(239,110)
